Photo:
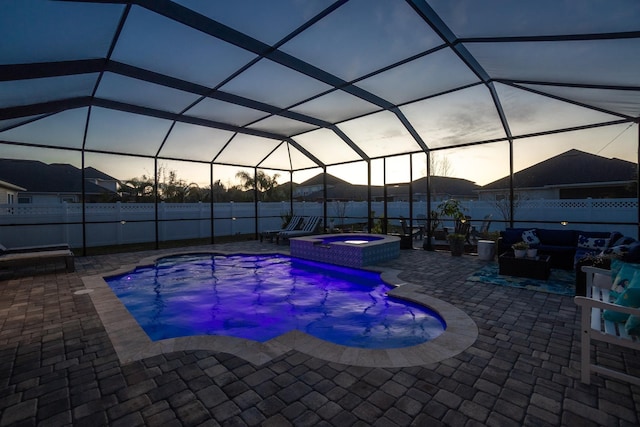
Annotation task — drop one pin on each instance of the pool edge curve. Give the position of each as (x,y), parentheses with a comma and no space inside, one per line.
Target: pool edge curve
(131,343)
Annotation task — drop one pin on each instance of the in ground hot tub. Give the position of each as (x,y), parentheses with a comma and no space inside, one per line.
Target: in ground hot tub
(350,250)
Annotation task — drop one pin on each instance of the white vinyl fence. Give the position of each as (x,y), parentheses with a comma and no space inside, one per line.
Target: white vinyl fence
(123,223)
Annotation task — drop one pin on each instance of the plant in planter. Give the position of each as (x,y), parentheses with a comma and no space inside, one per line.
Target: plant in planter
(433,224)
(520,249)
(453,209)
(456,243)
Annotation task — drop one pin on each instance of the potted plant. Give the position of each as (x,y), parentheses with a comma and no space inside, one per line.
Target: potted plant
(520,249)
(532,252)
(434,223)
(456,243)
(453,209)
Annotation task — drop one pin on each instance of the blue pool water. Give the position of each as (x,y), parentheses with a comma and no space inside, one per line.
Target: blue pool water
(259,297)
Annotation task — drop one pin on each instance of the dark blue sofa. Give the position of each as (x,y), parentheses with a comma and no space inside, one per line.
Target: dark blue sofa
(565,247)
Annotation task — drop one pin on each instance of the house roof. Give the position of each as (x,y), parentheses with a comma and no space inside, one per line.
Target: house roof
(447,185)
(571,167)
(10,186)
(339,189)
(319,180)
(39,177)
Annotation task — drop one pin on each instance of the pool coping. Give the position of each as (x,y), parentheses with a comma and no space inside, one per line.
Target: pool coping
(131,343)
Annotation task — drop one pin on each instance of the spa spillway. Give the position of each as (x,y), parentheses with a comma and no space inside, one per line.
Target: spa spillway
(350,250)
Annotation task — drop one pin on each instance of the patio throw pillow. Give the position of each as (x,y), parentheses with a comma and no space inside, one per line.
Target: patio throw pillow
(630,297)
(617,251)
(531,237)
(624,240)
(621,275)
(592,242)
(632,325)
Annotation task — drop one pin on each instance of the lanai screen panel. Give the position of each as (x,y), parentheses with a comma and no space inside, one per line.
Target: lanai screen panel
(498,18)
(288,155)
(250,16)
(274,84)
(327,146)
(33,91)
(121,132)
(42,31)
(282,125)
(247,150)
(193,142)
(590,62)
(529,113)
(225,112)
(156,43)
(460,117)
(625,102)
(145,94)
(63,130)
(361,37)
(336,106)
(429,75)
(380,134)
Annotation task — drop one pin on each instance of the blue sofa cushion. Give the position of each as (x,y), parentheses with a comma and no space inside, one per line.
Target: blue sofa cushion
(557,237)
(512,235)
(633,254)
(624,240)
(614,237)
(600,243)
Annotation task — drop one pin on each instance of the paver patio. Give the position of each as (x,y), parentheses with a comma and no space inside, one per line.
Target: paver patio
(58,366)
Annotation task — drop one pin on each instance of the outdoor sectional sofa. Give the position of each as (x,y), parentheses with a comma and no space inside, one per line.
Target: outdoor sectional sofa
(565,247)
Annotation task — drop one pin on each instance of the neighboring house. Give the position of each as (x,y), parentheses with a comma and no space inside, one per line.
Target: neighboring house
(444,188)
(314,186)
(337,189)
(570,175)
(55,183)
(9,192)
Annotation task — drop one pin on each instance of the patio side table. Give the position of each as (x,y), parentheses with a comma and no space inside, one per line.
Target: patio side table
(538,267)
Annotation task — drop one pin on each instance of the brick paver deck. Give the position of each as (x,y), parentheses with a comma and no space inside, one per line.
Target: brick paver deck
(58,366)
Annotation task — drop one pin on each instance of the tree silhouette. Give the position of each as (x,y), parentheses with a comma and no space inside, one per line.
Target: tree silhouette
(266,185)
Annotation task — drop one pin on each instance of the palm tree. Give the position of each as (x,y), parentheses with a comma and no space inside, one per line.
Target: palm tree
(140,189)
(265,184)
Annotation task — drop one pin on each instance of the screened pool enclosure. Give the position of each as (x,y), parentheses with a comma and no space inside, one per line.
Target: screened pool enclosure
(381,94)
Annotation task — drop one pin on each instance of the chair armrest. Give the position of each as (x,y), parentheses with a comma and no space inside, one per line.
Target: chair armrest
(592,269)
(594,303)
(590,272)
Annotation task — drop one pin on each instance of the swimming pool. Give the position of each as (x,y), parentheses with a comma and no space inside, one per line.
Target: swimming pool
(260,297)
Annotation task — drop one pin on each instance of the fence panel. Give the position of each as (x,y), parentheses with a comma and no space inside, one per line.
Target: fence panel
(122,223)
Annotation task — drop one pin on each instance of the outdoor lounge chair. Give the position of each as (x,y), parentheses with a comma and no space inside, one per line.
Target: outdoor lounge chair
(38,248)
(294,223)
(35,255)
(464,228)
(308,228)
(415,232)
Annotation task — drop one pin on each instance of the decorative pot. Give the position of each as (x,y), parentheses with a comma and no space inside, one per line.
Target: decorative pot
(531,253)
(457,248)
(519,253)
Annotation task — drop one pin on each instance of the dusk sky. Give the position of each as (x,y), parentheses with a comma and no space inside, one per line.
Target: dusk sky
(293,82)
